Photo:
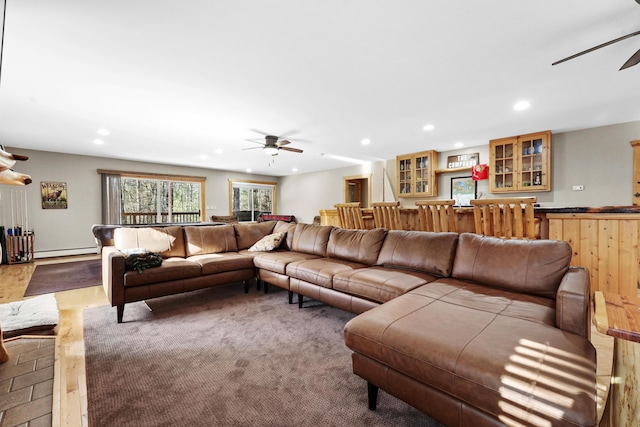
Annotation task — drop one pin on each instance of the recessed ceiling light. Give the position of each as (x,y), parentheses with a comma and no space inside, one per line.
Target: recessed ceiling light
(203,157)
(248,170)
(218,151)
(365,141)
(295,169)
(104,132)
(98,141)
(429,127)
(521,105)
(459,144)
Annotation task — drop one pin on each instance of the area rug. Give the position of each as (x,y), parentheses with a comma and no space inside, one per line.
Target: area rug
(65,276)
(219,357)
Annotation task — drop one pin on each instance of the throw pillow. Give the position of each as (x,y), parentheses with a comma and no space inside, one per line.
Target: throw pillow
(268,243)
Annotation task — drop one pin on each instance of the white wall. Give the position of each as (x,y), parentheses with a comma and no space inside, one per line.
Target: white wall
(599,158)
(68,231)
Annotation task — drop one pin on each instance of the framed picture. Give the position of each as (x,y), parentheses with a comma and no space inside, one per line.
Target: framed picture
(463,189)
(54,195)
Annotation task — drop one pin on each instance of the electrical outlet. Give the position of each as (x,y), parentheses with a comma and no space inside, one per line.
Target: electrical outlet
(578,188)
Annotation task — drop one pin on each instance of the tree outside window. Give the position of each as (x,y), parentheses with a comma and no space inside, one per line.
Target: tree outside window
(149,201)
(250,199)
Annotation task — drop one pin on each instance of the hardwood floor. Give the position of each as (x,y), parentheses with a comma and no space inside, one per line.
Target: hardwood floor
(70,390)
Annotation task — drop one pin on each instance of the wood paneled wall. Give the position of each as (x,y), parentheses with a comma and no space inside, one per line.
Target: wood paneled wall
(606,244)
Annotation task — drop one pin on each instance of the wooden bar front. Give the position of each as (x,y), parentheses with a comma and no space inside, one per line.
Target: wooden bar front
(604,243)
(408,217)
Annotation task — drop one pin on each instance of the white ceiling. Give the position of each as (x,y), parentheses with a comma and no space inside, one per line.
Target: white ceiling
(173,81)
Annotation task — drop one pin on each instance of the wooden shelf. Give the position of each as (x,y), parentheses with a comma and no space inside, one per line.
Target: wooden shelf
(464,169)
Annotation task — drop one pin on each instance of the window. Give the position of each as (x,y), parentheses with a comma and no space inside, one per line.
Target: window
(248,199)
(151,199)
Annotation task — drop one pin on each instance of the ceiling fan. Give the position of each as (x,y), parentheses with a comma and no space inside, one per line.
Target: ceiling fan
(634,60)
(273,145)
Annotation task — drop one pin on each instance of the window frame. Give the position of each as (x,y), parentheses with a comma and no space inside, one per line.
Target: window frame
(254,184)
(164,177)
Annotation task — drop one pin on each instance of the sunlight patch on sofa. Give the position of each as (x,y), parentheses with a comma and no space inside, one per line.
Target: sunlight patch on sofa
(517,413)
(539,382)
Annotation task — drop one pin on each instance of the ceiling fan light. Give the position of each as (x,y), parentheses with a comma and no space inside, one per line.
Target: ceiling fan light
(271,150)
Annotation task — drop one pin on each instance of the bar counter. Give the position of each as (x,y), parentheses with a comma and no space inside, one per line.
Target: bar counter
(603,239)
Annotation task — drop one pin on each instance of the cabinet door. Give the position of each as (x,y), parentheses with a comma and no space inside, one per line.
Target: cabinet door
(424,174)
(534,162)
(405,174)
(502,165)
(520,164)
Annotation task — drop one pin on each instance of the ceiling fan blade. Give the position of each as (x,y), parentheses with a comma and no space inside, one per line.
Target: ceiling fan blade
(635,58)
(292,132)
(251,148)
(261,142)
(295,150)
(260,132)
(596,47)
(282,142)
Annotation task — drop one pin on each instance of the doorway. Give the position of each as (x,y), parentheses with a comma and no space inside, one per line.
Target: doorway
(357,189)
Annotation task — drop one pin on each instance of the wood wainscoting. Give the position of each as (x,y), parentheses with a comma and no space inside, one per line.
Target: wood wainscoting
(606,244)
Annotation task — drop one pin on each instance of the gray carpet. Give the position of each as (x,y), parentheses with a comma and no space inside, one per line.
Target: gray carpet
(219,357)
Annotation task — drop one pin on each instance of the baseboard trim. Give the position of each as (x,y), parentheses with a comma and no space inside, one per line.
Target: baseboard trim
(65,252)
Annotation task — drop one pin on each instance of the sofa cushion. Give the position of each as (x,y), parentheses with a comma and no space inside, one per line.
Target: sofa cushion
(167,241)
(288,228)
(491,360)
(248,234)
(268,243)
(277,261)
(320,271)
(222,262)
(171,269)
(361,246)
(380,284)
(531,266)
(311,239)
(419,250)
(210,240)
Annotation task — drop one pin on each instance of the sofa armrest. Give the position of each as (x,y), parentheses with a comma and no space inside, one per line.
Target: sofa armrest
(573,313)
(113,275)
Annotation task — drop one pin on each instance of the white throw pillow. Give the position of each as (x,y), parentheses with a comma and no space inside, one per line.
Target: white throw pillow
(268,243)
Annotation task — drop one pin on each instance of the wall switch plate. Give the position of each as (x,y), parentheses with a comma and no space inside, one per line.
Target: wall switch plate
(578,188)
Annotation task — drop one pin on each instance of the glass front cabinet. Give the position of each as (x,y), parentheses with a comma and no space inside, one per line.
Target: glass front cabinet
(416,174)
(520,163)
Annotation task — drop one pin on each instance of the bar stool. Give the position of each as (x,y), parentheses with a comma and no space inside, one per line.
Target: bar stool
(387,215)
(509,218)
(436,215)
(350,215)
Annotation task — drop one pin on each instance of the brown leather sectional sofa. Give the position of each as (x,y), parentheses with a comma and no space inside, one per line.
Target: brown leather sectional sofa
(472,330)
